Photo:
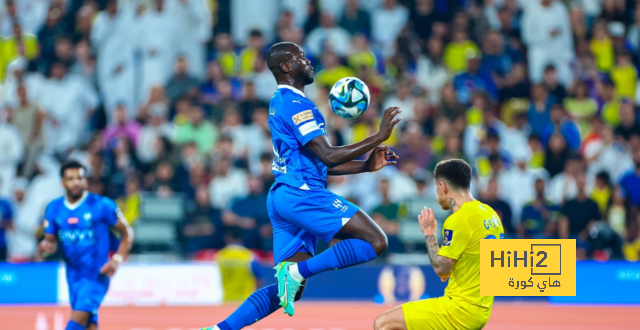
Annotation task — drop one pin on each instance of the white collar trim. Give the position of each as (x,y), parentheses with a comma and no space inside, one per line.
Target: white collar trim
(73,206)
(295,90)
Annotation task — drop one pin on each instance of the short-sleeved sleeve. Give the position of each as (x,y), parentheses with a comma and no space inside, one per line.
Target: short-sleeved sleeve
(456,236)
(302,120)
(49,224)
(111,212)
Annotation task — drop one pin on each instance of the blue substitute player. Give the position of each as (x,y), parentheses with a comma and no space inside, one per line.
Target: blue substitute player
(300,207)
(80,223)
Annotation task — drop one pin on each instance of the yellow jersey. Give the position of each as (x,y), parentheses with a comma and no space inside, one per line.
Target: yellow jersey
(238,281)
(462,232)
(456,55)
(626,80)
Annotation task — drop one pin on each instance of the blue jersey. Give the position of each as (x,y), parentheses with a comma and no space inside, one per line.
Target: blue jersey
(83,231)
(294,121)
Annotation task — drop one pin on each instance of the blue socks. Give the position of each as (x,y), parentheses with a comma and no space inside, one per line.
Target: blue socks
(265,301)
(73,325)
(258,306)
(344,254)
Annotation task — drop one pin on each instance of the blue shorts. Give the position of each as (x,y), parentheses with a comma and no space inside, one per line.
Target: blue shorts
(300,217)
(86,295)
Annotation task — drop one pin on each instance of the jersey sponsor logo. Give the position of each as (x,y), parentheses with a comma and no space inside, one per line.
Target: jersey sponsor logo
(73,220)
(301,117)
(76,236)
(448,236)
(294,101)
(308,127)
(272,111)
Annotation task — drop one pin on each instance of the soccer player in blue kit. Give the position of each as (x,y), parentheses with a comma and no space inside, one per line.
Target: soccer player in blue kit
(300,207)
(81,222)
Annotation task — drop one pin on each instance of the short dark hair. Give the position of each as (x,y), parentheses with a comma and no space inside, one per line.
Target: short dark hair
(255,33)
(604,176)
(456,172)
(70,164)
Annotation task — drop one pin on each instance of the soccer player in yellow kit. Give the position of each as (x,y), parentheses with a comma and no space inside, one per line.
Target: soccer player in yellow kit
(458,259)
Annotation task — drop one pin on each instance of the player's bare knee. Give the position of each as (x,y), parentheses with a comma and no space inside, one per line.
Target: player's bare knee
(379,243)
(381,322)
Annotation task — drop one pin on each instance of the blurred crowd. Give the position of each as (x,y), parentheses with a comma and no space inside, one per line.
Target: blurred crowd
(171,97)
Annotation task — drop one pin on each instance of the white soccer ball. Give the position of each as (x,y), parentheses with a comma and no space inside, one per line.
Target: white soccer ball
(349,97)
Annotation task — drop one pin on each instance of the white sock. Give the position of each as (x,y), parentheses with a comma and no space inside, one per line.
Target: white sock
(295,274)
(215,327)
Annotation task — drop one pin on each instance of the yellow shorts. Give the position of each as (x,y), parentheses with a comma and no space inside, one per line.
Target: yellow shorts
(444,313)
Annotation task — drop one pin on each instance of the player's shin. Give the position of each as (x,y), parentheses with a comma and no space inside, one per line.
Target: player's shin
(259,305)
(344,254)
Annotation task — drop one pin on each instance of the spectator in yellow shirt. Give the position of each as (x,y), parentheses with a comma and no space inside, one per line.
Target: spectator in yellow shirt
(625,76)
(18,44)
(458,51)
(332,70)
(254,48)
(361,55)
(130,203)
(602,48)
(611,108)
(226,55)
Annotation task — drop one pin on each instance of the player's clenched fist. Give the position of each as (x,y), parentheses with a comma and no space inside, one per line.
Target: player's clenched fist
(109,268)
(47,247)
(389,121)
(427,222)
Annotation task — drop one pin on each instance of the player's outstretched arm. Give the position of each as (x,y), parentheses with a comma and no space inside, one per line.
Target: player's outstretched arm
(380,157)
(441,265)
(122,226)
(333,156)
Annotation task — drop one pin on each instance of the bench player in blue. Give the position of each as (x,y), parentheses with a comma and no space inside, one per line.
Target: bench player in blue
(300,207)
(80,223)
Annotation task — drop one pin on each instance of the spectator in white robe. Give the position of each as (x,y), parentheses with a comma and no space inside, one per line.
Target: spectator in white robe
(263,80)
(46,186)
(11,151)
(159,42)
(30,14)
(68,103)
(518,182)
(329,36)
(227,184)
(113,40)
(157,126)
(297,9)
(386,24)
(247,15)
(16,75)
(196,24)
(608,155)
(546,30)
(22,242)
(563,185)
